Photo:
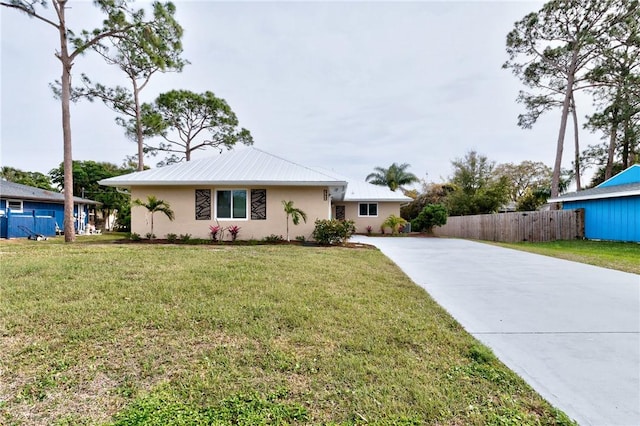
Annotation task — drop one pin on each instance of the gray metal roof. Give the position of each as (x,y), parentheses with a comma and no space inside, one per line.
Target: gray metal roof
(252,166)
(17,191)
(625,190)
(245,166)
(360,190)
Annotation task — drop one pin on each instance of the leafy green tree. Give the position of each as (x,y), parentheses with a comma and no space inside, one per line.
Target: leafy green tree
(532,199)
(394,223)
(35,179)
(140,53)
(86,175)
(524,178)
(190,121)
(554,47)
(432,193)
(616,80)
(154,205)
(600,174)
(396,176)
(477,190)
(432,215)
(119,20)
(295,213)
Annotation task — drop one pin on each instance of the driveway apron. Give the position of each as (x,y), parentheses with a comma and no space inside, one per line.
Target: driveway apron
(571,330)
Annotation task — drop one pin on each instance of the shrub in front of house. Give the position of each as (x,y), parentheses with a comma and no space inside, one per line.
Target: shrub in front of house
(430,216)
(333,231)
(273,238)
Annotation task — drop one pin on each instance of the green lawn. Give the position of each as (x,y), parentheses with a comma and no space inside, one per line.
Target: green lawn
(612,255)
(128,334)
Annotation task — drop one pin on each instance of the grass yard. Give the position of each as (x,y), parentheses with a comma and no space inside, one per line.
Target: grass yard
(607,254)
(133,334)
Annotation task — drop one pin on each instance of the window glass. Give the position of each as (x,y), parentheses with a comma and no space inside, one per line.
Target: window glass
(367,209)
(231,204)
(14,205)
(240,204)
(223,204)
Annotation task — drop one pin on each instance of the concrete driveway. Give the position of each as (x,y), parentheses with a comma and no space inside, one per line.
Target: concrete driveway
(572,331)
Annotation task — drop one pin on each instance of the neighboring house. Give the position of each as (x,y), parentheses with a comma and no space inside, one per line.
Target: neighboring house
(611,209)
(246,187)
(25,208)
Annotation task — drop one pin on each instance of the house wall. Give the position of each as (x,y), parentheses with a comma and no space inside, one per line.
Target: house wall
(352,210)
(182,201)
(612,219)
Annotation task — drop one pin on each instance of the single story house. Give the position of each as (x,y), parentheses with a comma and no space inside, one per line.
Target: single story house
(25,209)
(611,209)
(246,187)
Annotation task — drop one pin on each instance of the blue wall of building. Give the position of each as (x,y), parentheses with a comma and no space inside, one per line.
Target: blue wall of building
(613,219)
(36,216)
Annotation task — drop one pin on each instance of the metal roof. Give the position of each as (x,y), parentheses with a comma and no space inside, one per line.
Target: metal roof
(360,190)
(599,192)
(247,166)
(252,166)
(12,190)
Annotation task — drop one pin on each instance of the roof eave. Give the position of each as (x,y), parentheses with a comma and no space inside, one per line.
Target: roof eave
(129,184)
(378,200)
(594,196)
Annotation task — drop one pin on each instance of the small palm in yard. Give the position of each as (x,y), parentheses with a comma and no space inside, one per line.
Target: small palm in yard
(394,222)
(154,205)
(295,213)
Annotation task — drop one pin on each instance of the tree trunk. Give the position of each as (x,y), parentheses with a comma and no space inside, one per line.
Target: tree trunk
(576,139)
(69,230)
(555,180)
(626,141)
(139,136)
(608,170)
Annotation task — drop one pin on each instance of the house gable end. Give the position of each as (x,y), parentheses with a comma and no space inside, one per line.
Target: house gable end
(630,175)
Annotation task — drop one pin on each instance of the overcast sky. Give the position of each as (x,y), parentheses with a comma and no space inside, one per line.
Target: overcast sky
(346,86)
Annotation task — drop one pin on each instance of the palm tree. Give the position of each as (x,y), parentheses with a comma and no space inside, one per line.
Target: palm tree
(154,205)
(396,176)
(394,222)
(295,213)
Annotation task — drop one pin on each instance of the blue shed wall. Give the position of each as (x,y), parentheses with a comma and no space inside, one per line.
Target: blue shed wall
(613,219)
(40,217)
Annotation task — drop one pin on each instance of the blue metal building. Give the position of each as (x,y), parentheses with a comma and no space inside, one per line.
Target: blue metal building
(611,209)
(25,209)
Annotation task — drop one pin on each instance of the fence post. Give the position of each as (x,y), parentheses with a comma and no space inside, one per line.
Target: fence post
(580,224)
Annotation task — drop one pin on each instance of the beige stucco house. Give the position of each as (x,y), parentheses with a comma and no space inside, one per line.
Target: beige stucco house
(246,187)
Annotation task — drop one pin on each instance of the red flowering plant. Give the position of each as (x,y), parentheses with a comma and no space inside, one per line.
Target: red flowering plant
(234,230)
(214,230)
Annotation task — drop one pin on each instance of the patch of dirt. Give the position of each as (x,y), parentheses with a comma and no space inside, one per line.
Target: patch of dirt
(243,243)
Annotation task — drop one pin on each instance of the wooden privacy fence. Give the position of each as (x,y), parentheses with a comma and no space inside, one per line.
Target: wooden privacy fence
(515,227)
